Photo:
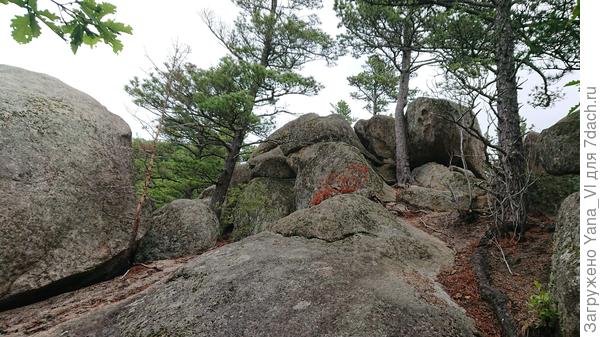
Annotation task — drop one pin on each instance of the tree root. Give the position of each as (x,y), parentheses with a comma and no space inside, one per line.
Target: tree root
(491,295)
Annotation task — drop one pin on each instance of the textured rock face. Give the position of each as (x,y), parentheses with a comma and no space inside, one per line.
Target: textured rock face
(345,215)
(387,173)
(432,137)
(271,164)
(564,279)
(377,135)
(442,188)
(533,150)
(377,280)
(262,201)
(433,199)
(66,185)
(327,169)
(310,129)
(241,174)
(207,192)
(451,179)
(182,227)
(559,146)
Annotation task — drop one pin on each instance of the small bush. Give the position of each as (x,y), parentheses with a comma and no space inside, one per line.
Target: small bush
(542,304)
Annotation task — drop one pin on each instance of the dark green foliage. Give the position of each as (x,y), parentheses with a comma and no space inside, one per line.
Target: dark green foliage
(543,306)
(375,29)
(343,109)
(78,22)
(548,191)
(546,39)
(218,108)
(177,173)
(294,35)
(376,85)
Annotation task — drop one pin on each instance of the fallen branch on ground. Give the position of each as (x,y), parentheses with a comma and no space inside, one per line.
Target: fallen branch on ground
(495,298)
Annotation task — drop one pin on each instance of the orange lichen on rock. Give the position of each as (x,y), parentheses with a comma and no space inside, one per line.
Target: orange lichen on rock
(352,178)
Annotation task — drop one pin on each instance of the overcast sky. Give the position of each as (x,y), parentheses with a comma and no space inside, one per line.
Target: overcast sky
(158,24)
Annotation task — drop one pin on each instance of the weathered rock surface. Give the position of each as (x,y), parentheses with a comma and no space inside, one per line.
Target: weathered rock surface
(241,174)
(271,164)
(375,279)
(207,192)
(378,136)
(181,227)
(559,146)
(433,137)
(450,179)
(441,188)
(66,187)
(345,215)
(564,278)
(261,201)
(433,199)
(387,172)
(310,129)
(327,169)
(533,152)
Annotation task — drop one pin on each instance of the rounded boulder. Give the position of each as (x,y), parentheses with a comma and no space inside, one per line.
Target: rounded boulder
(66,188)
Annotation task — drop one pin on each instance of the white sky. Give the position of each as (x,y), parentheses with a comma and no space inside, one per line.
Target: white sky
(158,24)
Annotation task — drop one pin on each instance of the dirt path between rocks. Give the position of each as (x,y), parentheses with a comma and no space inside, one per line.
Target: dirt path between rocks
(529,261)
(44,315)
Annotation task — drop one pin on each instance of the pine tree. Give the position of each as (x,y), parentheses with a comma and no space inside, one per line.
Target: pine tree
(376,85)
(268,44)
(398,36)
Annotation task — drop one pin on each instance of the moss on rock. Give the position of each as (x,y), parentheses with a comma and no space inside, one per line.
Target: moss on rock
(250,206)
(547,192)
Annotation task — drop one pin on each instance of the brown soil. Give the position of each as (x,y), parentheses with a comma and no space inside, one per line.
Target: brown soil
(56,310)
(528,258)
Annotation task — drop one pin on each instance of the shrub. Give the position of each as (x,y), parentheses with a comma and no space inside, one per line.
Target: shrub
(543,306)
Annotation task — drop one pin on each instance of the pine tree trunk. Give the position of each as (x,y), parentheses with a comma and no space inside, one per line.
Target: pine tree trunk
(509,133)
(220,193)
(403,175)
(224,180)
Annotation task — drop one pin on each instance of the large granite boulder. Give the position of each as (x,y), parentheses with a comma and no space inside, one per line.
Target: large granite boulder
(345,215)
(451,179)
(441,188)
(310,129)
(434,136)
(327,169)
(208,192)
(249,207)
(564,279)
(367,279)
(271,164)
(241,174)
(66,188)
(181,227)
(434,199)
(378,136)
(387,172)
(533,152)
(559,146)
